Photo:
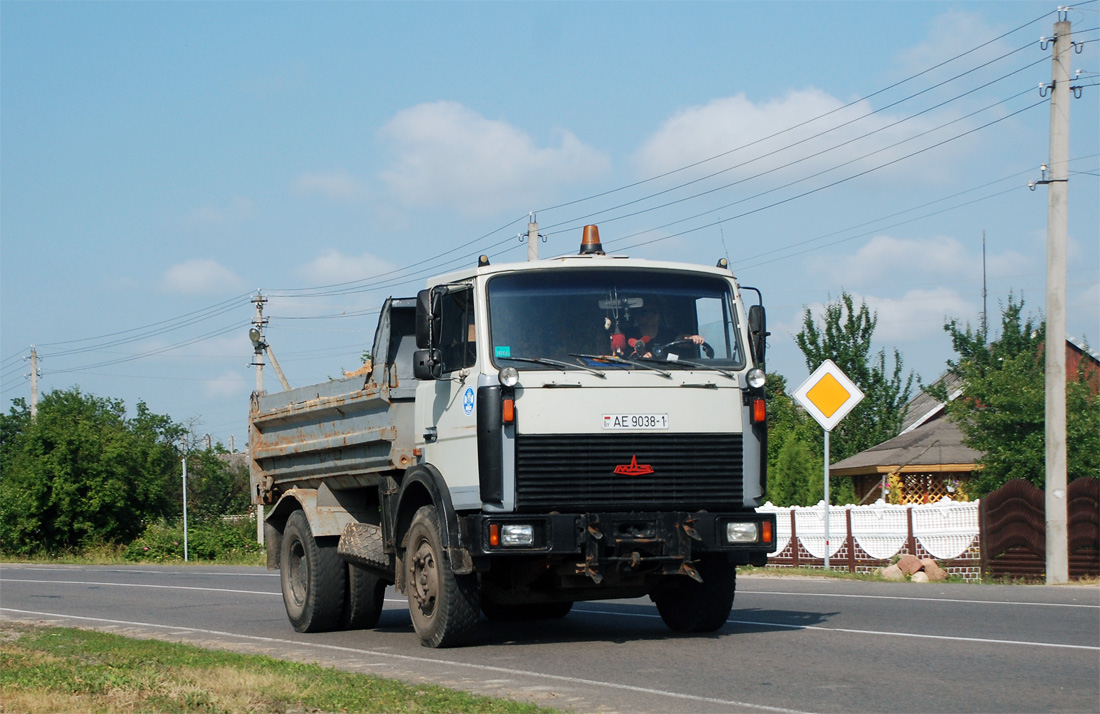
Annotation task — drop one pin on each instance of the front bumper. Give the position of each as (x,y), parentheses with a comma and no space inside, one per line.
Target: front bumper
(665,542)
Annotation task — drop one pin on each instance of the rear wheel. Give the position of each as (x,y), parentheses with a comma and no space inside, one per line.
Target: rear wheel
(313,578)
(687,605)
(365,597)
(444,606)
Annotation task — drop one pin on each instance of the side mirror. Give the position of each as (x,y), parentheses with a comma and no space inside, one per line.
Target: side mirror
(427,364)
(427,318)
(758,332)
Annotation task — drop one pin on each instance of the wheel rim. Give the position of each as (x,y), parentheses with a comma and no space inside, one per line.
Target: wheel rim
(298,572)
(425,579)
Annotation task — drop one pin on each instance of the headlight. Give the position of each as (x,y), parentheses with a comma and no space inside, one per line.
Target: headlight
(738,532)
(756,378)
(509,376)
(517,534)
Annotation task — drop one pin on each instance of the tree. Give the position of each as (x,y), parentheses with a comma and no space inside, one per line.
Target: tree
(797,477)
(216,486)
(1001,411)
(793,453)
(845,338)
(81,473)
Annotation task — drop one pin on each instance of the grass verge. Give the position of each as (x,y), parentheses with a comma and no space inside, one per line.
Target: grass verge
(55,669)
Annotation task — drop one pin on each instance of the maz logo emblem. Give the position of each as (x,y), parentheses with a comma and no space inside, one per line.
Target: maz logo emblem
(634,468)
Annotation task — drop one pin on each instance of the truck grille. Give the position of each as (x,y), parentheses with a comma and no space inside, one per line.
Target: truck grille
(578,471)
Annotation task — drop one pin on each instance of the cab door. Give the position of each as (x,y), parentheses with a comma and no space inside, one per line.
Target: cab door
(446,408)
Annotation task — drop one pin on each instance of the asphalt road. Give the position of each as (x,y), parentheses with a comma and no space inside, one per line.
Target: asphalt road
(791,644)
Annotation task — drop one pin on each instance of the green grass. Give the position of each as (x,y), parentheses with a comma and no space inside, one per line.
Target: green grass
(53,669)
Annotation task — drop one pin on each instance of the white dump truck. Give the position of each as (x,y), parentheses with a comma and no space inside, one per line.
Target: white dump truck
(529,435)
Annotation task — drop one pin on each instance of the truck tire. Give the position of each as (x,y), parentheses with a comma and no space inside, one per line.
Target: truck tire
(444,606)
(313,578)
(365,596)
(690,606)
(531,611)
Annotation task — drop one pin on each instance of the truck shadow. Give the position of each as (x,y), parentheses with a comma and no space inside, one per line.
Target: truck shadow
(618,624)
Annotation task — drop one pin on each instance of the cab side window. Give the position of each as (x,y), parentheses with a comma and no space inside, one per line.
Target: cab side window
(457,339)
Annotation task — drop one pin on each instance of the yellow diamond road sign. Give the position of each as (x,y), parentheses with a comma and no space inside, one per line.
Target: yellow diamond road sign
(828,395)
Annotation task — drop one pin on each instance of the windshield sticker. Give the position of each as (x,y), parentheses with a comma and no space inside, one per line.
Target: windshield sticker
(468,401)
(502,351)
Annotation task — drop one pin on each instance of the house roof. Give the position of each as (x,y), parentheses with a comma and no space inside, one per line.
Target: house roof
(924,407)
(929,442)
(935,445)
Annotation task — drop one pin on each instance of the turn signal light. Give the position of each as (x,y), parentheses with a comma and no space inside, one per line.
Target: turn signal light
(508,411)
(494,535)
(759,411)
(766,532)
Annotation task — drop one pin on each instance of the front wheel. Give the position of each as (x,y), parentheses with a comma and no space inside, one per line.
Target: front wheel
(313,578)
(687,605)
(444,606)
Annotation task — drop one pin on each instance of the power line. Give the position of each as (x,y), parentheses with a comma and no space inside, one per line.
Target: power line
(210,308)
(389,279)
(808,121)
(106,363)
(789,164)
(834,183)
(588,217)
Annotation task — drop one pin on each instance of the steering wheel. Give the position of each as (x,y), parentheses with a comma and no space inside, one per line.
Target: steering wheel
(660,351)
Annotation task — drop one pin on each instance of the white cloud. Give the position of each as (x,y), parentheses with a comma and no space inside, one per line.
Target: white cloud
(951,34)
(918,314)
(334,185)
(335,267)
(447,155)
(229,384)
(200,277)
(236,210)
(741,131)
(931,260)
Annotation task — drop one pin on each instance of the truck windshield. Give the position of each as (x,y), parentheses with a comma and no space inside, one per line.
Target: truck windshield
(582,315)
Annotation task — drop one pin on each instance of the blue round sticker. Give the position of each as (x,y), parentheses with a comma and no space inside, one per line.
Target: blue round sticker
(468,401)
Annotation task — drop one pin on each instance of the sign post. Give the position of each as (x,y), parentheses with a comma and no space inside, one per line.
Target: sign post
(828,396)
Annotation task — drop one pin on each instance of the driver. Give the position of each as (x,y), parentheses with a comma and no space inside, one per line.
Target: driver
(651,332)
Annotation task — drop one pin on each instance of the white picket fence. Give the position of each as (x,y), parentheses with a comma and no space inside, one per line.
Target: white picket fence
(862,538)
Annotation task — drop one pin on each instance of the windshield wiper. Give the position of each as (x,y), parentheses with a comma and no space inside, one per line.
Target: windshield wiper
(693,363)
(556,363)
(614,359)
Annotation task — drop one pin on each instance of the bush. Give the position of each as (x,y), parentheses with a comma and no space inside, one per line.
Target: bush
(214,539)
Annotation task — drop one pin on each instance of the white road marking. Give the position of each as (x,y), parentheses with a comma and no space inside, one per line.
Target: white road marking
(909,597)
(468,665)
(138,585)
(751,623)
(885,633)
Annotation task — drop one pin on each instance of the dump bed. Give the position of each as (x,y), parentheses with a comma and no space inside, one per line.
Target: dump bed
(345,432)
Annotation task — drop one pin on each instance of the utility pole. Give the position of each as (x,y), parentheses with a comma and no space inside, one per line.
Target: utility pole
(532,239)
(183,449)
(34,382)
(257,335)
(1056,502)
(985,309)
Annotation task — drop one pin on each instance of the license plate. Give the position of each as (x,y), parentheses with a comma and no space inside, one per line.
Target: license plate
(634,422)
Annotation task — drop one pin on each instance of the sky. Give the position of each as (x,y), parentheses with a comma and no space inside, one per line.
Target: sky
(162,163)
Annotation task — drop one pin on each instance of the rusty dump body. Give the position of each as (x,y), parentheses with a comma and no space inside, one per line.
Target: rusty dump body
(341,434)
